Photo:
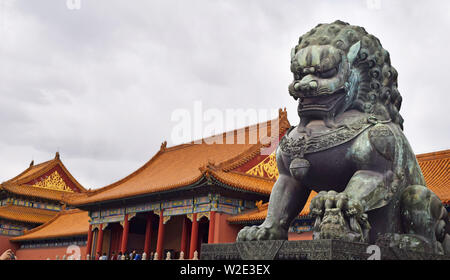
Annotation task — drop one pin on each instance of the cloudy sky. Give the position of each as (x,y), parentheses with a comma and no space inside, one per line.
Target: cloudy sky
(100,83)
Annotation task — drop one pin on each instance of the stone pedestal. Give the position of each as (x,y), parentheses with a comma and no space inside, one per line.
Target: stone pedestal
(308,250)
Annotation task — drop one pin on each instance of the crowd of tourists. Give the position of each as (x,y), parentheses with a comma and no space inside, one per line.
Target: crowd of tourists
(133,255)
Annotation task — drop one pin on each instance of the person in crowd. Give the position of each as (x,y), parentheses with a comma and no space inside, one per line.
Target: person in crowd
(132,255)
(137,257)
(119,256)
(113,256)
(8,255)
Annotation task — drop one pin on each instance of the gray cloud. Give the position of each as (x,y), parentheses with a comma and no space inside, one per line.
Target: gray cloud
(100,83)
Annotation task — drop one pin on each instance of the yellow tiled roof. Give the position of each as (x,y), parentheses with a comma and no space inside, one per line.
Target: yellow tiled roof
(30,191)
(21,183)
(26,214)
(243,181)
(436,170)
(65,223)
(186,164)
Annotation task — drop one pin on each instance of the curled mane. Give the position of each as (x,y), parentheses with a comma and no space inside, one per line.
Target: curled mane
(377,91)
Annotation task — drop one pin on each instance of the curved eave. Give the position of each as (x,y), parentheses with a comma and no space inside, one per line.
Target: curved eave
(23,220)
(30,234)
(26,214)
(51,237)
(196,183)
(33,192)
(236,188)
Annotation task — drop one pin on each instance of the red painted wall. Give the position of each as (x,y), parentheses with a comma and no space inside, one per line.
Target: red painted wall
(5,244)
(300,236)
(223,231)
(226,233)
(44,253)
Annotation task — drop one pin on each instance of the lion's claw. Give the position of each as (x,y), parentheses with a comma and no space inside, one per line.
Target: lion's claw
(329,200)
(254,233)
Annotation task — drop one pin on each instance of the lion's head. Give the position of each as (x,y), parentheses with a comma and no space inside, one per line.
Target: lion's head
(338,67)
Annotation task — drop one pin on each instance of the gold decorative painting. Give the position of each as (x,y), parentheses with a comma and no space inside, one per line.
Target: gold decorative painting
(53,182)
(266,168)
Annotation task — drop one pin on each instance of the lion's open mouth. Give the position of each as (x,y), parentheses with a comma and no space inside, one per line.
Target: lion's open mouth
(322,103)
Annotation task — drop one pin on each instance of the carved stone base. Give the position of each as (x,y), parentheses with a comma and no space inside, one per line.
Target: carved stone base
(307,250)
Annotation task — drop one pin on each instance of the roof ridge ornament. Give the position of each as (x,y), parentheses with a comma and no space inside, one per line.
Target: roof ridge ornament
(163,146)
(259,205)
(282,112)
(211,163)
(57,155)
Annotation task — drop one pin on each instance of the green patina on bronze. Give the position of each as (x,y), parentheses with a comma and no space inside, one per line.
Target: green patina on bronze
(349,147)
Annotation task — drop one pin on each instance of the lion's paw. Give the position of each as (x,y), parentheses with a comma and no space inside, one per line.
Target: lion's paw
(328,200)
(254,233)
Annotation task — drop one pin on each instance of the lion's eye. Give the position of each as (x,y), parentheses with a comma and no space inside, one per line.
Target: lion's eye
(297,76)
(327,74)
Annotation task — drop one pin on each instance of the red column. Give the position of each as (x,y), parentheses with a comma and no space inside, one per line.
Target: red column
(212,224)
(194,236)
(89,241)
(126,226)
(184,232)
(100,240)
(159,244)
(148,234)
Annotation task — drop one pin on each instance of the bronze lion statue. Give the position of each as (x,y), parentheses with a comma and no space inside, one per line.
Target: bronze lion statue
(350,148)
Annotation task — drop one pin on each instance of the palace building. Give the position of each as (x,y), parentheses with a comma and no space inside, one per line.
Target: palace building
(185,195)
(56,238)
(34,197)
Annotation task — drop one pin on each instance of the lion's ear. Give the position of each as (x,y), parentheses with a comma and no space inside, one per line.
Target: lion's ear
(353,52)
